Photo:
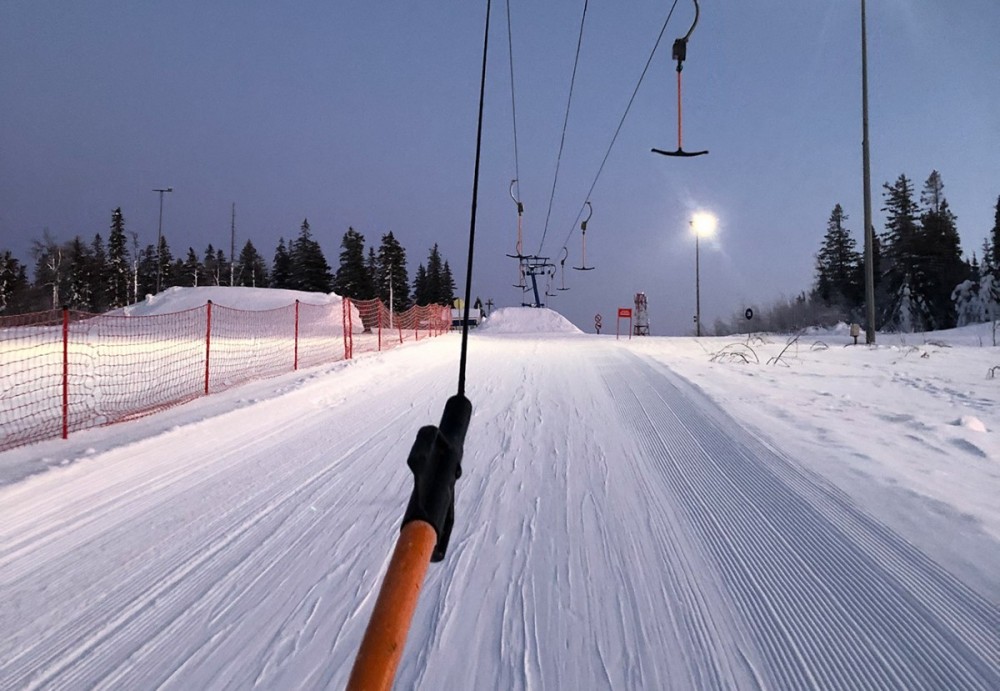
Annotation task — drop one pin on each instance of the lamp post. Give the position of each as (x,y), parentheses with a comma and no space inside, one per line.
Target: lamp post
(159,234)
(866,163)
(701,224)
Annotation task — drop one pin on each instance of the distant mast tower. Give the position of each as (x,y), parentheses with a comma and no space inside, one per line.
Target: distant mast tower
(641,325)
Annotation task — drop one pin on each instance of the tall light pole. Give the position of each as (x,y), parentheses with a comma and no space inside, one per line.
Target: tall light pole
(701,224)
(159,234)
(866,163)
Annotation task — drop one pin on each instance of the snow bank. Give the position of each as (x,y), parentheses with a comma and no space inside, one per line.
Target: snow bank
(526,320)
(178,299)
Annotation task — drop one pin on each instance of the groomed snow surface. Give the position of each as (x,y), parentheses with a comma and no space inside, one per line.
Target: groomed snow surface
(653,513)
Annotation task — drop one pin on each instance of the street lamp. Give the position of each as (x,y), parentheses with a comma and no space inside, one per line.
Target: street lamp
(866,165)
(703,225)
(159,234)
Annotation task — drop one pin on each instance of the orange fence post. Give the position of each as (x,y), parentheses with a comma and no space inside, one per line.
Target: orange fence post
(208,341)
(65,375)
(295,362)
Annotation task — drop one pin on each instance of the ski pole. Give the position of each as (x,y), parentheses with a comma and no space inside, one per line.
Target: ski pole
(436,462)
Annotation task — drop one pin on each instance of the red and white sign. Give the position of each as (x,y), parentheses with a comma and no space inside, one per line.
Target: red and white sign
(624,313)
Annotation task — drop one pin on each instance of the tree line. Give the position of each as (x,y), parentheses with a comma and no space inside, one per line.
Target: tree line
(98,275)
(922,281)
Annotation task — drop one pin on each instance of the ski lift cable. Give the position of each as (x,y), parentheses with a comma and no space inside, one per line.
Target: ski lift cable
(436,461)
(621,122)
(562,139)
(513,109)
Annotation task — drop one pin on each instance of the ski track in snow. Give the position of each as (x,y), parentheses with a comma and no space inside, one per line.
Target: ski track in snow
(685,554)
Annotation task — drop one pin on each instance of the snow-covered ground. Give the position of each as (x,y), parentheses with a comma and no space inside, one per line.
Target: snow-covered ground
(646,513)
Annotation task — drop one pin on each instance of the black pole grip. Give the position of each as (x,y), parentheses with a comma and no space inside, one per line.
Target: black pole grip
(436,462)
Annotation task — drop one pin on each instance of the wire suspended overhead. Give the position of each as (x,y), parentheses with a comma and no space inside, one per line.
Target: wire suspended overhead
(562,139)
(621,122)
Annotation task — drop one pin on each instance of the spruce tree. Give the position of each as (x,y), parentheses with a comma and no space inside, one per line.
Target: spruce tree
(903,270)
(988,266)
(118,273)
(166,259)
(221,268)
(210,267)
(78,277)
(392,272)
(251,270)
(420,286)
(836,265)
(193,273)
(995,238)
(447,286)
(281,267)
(352,279)
(99,268)
(435,277)
(940,253)
(147,273)
(310,270)
(13,284)
(371,272)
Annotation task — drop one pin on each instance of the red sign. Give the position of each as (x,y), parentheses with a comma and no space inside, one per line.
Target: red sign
(624,312)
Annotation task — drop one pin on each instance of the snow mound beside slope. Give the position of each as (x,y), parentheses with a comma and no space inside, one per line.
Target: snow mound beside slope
(526,320)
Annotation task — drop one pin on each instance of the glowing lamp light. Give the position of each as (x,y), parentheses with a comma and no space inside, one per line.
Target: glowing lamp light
(704,224)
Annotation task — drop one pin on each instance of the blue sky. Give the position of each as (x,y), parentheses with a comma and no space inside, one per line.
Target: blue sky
(362,114)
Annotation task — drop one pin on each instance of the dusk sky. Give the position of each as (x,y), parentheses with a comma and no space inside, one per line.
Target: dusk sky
(360,113)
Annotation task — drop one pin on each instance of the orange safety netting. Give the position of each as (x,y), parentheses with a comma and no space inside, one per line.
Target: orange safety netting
(62,371)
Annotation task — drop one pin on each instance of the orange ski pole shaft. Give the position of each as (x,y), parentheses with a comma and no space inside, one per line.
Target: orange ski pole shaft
(382,646)
(436,462)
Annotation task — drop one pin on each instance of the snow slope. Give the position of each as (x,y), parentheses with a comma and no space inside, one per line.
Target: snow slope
(631,515)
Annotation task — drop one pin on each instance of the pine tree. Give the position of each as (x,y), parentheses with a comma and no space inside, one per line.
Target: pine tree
(118,273)
(420,286)
(146,271)
(310,270)
(210,267)
(353,279)
(995,238)
(99,268)
(221,268)
(281,267)
(193,272)
(836,264)
(371,271)
(447,286)
(251,270)
(78,277)
(939,253)
(166,259)
(392,272)
(13,284)
(435,278)
(903,271)
(988,266)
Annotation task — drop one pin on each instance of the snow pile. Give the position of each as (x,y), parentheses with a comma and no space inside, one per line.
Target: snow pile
(971,422)
(527,320)
(178,299)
